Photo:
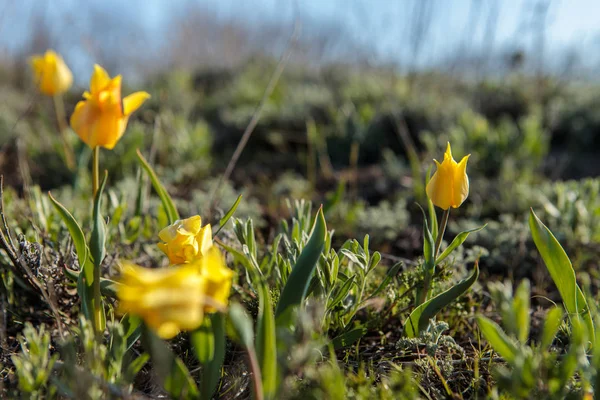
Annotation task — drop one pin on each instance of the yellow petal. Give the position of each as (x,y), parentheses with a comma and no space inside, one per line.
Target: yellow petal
(99,80)
(83,120)
(192,224)
(461,182)
(134,101)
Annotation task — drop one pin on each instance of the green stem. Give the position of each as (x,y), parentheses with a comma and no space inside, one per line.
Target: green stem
(256,374)
(61,119)
(429,273)
(441,230)
(95,170)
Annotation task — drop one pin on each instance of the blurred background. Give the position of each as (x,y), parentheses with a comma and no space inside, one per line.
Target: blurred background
(369,93)
(471,38)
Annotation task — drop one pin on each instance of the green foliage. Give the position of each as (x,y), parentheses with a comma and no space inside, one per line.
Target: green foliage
(505,150)
(34,364)
(534,369)
(560,268)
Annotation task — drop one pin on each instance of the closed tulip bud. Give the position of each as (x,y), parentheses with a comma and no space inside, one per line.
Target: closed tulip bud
(101,118)
(449,185)
(185,240)
(51,74)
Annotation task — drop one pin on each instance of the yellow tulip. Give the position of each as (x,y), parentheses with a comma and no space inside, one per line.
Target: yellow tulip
(449,186)
(101,118)
(51,74)
(218,278)
(185,240)
(169,300)
(174,299)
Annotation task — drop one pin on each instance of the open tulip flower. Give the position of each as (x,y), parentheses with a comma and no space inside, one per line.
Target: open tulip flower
(101,118)
(175,299)
(185,240)
(449,185)
(51,74)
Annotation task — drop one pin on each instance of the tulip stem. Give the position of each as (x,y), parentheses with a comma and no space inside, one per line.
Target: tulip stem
(441,230)
(95,169)
(61,119)
(423,294)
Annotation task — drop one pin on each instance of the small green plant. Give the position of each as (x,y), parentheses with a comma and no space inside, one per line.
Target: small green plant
(34,364)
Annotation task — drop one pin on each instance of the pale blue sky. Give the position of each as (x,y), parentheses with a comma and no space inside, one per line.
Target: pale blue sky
(381,26)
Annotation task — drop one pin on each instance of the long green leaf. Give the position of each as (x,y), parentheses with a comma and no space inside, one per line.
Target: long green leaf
(76,234)
(552,323)
(428,245)
(171,371)
(167,202)
(297,284)
(223,221)
(419,318)
(499,341)
(209,345)
(266,342)
(458,240)
(390,274)
(348,338)
(562,273)
(98,252)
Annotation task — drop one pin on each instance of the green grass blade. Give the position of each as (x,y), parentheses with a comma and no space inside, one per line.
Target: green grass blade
(497,338)
(419,318)
(562,273)
(458,240)
(167,202)
(223,221)
(76,234)
(266,343)
(297,284)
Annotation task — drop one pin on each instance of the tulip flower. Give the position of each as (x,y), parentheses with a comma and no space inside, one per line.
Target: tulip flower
(101,118)
(449,185)
(53,78)
(218,278)
(51,74)
(175,299)
(185,240)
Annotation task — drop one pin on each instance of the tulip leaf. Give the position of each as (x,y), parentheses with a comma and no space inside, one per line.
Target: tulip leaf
(171,371)
(132,325)
(98,252)
(167,202)
(76,234)
(419,318)
(458,240)
(208,343)
(243,332)
(242,325)
(391,273)
(223,221)
(348,338)
(430,207)
(297,283)
(266,343)
(498,339)
(562,273)
(554,318)
(428,244)
(84,290)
